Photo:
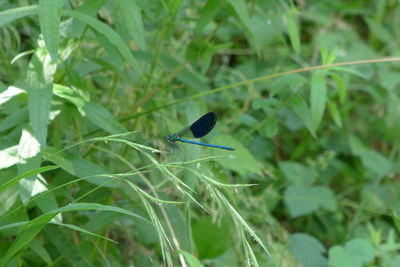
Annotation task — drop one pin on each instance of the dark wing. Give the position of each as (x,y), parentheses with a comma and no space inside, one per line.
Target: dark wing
(204,125)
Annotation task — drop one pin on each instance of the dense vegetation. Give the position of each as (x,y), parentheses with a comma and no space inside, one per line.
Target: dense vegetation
(307,92)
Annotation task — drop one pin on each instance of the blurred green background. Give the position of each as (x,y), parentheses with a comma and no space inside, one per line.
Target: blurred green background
(306,91)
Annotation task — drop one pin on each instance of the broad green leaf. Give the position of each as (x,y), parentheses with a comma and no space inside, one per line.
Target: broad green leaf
(247,120)
(271,127)
(109,33)
(362,248)
(248,164)
(102,118)
(293,30)
(339,257)
(301,200)
(49,19)
(376,163)
(296,173)
(318,97)
(324,197)
(357,252)
(356,146)
(307,250)
(211,239)
(132,18)
(191,259)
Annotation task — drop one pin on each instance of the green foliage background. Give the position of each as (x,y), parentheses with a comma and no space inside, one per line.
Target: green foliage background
(306,91)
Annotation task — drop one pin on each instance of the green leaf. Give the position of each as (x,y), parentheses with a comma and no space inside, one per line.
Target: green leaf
(207,13)
(301,200)
(301,109)
(293,30)
(27,174)
(248,164)
(89,8)
(173,6)
(10,15)
(109,33)
(72,94)
(339,257)
(186,75)
(357,252)
(39,80)
(341,87)
(9,93)
(296,173)
(132,18)
(389,80)
(40,250)
(211,239)
(102,118)
(80,167)
(356,146)
(28,232)
(271,127)
(240,8)
(49,19)
(318,97)
(307,250)
(17,118)
(379,31)
(362,248)
(335,113)
(376,163)
(32,228)
(191,259)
